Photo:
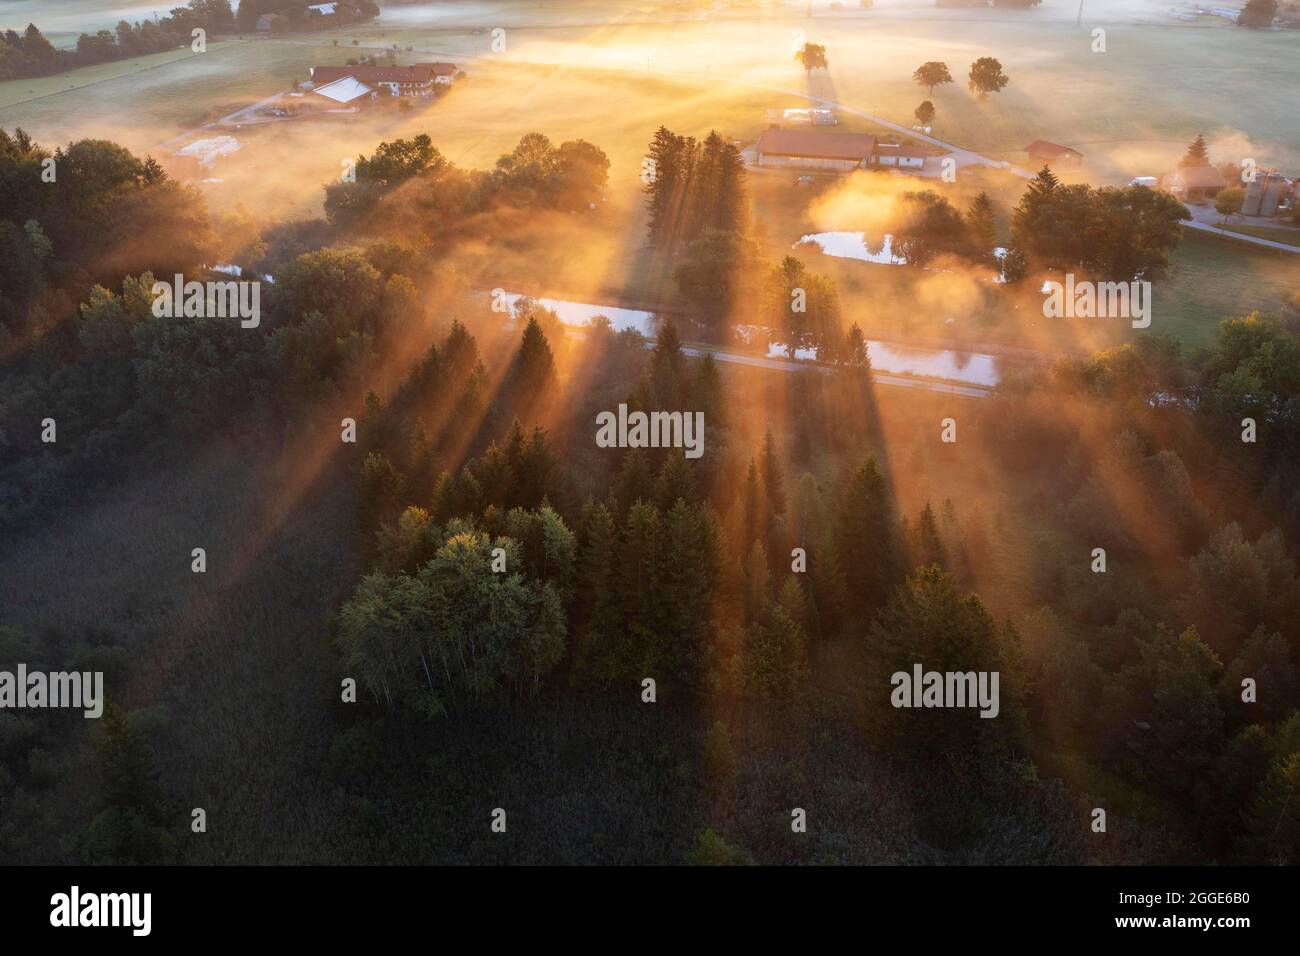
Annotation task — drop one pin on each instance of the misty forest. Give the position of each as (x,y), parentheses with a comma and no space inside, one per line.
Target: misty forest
(358,574)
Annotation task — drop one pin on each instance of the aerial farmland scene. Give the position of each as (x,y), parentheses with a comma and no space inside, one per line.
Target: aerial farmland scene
(650,432)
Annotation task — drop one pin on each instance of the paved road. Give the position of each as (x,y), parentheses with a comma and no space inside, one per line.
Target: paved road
(1199,226)
(880,378)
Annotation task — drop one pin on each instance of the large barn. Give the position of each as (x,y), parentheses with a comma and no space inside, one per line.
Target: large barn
(416,80)
(809,149)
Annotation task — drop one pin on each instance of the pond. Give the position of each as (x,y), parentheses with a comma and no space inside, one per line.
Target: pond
(579,314)
(972,368)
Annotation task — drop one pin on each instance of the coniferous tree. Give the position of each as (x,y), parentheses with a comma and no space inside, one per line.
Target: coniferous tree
(1162,720)
(668,366)
(468,499)
(929,622)
(128,827)
(1197,153)
(855,349)
(755,583)
(826,579)
(981,228)
(379,495)
(533,373)
(867,540)
(674,483)
(776,651)
(686,573)
(928,547)
(706,393)
(753,514)
(635,480)
(954,543)
(664,182)
(771,473)
(639,564)
(596,613)
(1272,821)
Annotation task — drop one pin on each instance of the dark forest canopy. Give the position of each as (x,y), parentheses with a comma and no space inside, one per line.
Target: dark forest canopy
(770,589)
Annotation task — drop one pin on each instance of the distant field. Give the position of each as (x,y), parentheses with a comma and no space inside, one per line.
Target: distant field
(132,80)
(144,100)
(75,16)
(1212,280)
(1131,110)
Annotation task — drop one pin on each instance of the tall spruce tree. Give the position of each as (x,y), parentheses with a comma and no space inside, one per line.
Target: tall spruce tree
(982,229)
(867,540)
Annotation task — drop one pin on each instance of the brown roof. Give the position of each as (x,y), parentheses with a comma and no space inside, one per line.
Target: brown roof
(1041,147)
(417,73)
(815,144)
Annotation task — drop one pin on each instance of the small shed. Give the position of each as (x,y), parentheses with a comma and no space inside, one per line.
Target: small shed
(1053,154)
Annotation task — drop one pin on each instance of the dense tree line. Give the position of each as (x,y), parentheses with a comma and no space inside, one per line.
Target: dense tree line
(409,187)
(296,16)
(71,218)
(693,188)
(1112,234)
(504,563)
(658,576)
(85,349)
(30,54)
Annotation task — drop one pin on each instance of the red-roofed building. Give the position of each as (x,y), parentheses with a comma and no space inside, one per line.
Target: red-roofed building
(1053,154)
(416,80)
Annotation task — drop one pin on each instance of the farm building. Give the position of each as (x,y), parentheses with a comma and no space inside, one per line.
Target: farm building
(1053,154)
(346,90)
(1194,183)
(805,149)
(416,80)
(903,157)
(1265,194)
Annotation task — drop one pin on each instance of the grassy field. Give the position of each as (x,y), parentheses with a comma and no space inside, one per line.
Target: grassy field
(1211,280)
(614,82)
(145,100)
(1160,84)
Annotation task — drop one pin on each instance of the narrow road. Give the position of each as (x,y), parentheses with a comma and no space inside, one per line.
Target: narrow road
(1239,236)
(880,378)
